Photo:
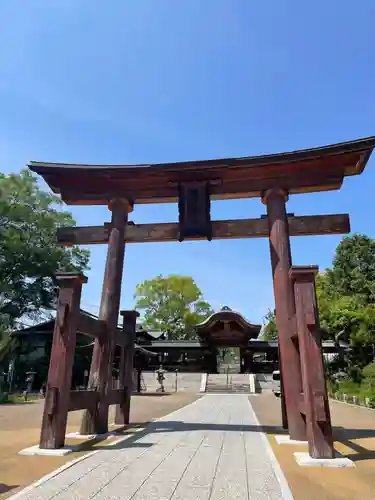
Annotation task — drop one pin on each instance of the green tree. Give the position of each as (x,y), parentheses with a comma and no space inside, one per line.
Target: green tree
(270,330)
(29,253)
(353,271)
(345,298)
(346,292)
(347,314)
(172,304)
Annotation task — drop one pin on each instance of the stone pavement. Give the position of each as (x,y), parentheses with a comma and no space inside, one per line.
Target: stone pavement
(210,450)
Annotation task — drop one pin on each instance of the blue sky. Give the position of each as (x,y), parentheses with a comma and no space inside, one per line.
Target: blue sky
(162,80)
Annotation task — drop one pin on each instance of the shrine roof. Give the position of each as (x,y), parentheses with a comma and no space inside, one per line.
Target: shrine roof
(315,169)
(226,314)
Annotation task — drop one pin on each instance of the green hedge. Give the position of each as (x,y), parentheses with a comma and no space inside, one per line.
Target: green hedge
(4,398)
(360,390)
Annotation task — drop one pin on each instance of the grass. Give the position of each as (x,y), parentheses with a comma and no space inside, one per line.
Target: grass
(349,387)
(353,389)
(6,399)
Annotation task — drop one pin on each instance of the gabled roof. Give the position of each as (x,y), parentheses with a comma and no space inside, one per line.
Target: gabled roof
(226,314)
(46,327)
(148,334)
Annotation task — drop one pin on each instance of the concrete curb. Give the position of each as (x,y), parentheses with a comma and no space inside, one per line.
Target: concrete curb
(252,383)
(284,486)
(51,475)
(20,494)
(351,404)
(203,382)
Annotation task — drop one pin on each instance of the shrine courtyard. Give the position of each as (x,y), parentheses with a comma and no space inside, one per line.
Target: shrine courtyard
(209,447)
(217,446)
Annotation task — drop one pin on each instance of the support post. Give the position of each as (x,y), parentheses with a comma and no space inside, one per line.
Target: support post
(284,416)
(96,421)
(316,406)
(126,367)
(290,368)
(56,404)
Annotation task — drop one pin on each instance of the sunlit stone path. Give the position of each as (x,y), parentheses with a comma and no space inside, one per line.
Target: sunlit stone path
(212,449)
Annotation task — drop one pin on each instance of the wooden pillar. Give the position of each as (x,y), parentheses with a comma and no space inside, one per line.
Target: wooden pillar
(56,404)
(315,401)
(96,421)
(242,360)
(250,362)
(284,416)
(214,366)
(281,261)
(126,367)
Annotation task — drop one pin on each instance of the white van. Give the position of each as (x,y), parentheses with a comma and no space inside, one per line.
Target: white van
(276,387)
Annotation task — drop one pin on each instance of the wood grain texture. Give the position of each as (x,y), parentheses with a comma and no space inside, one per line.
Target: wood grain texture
(315,397)
(281,261)
(308,225)
(61,361)
(96,422)
(80,400)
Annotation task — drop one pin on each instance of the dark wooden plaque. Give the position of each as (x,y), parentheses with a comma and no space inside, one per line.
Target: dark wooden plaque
(194,210)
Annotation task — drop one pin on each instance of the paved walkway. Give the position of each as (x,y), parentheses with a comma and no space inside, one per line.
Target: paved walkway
(210,450)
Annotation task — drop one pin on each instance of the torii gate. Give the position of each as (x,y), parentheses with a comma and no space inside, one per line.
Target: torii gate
(193,185)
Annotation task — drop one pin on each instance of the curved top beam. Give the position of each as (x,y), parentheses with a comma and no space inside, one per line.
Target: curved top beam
(307,170)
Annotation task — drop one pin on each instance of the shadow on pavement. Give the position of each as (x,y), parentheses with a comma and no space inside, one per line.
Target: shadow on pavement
(345,437)
(180,426)
(4,488)
(340,434)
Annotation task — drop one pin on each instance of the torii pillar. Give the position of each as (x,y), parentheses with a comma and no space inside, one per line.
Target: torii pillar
(315,401)
(290,368)
(96,422)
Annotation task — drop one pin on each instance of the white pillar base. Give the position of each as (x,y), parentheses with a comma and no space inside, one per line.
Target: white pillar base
(59,452)
(304,460)
(285,439)
(77,435)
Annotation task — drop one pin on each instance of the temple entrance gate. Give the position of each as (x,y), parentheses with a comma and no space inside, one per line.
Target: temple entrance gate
(193,185)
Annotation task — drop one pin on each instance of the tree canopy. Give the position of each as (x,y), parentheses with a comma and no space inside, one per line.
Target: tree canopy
(270,330)
(353,272)
(346,292)
(172,305)
(29,253)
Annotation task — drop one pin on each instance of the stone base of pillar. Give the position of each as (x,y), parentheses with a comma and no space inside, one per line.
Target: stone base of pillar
(285,439)
(304,460)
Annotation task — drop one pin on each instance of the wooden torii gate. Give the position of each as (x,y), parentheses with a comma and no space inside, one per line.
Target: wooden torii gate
(193,185)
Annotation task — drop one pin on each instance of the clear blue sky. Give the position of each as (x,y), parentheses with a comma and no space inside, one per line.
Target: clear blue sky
(165,80)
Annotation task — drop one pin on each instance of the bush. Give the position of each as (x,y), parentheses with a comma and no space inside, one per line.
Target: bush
(368,382)
(349,387)
(4,398)
(356,374)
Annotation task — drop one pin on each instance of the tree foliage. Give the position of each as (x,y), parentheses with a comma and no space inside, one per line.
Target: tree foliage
(172,304)
(270,330)
(346,296)
(353,271)
(345,292)
(29,253)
